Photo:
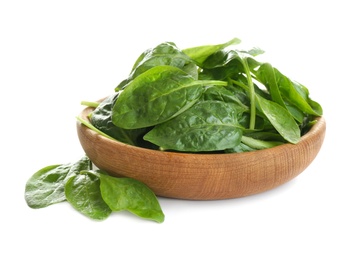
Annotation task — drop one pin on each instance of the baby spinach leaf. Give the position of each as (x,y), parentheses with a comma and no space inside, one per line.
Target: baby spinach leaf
(207,126)
(201,53)
(283,89)
(46,186)
(280,118)
(266,75)
(132,195)
(101,118)
(164,54)
(156,96)
(83,192)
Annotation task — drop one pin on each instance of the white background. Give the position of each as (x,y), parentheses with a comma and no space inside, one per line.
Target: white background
(53,54)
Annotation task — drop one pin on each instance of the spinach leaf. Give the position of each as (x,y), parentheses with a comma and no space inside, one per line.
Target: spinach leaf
(207,126)
(101,118)
(83,192)
(224,94)
(164,54)
(46,186)
(132,195)
(156,96)
(91,192)
(283,89)
(280,118)
(266,75)
(201,53)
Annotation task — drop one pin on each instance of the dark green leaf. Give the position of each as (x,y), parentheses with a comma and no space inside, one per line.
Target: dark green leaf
(132,195)
(207,126)
(224,94)
(83,193)
(101,118)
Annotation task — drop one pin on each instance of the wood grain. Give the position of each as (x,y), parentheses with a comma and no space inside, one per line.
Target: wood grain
(203,176)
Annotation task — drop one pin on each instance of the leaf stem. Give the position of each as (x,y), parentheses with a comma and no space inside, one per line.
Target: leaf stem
(252,94)
(89,125)
(240,84)
(259,144)
(212,82)
(90,104)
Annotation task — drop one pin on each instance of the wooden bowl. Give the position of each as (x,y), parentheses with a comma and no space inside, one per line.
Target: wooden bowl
(203,176)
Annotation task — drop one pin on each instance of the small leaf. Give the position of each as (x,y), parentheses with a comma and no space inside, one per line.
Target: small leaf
(46,186)
(132,195)
(281,119)
(201,53)
(165,53)
(83,193)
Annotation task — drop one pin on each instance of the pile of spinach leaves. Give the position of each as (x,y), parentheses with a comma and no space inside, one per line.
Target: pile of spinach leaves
(211,98)
(91,192)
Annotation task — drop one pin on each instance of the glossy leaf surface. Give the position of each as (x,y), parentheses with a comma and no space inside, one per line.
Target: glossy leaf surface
(46,186)
(281,119)
(207,126)
(164,54)
(101,118)
(154,97)
(83,192)
(132,195)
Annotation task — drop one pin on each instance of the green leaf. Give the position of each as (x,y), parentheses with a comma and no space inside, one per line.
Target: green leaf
(83,193)
(280,118)
(286,92)
(201,53)
(266,75)
(101,118)
(164,54)
(207,126)
(46,186)
(132,195)
(156,96)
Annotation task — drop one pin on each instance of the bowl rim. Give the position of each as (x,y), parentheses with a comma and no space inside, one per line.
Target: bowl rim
(315,128)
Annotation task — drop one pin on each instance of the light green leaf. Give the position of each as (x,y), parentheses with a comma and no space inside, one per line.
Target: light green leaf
(46,186)
(132,195)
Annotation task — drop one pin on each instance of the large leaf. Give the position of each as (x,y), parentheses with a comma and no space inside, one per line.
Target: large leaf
(132,195)
(156,96)
(207,126)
